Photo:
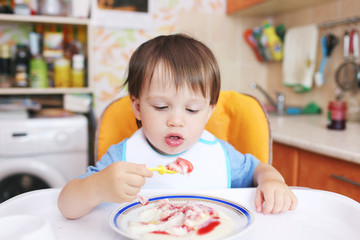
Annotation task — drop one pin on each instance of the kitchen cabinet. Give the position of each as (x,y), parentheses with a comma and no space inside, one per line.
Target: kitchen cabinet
(267,7)
(308,169)
(286,161)
(237,5)
(21,19)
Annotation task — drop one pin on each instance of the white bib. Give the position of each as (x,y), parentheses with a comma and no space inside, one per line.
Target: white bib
(209,159)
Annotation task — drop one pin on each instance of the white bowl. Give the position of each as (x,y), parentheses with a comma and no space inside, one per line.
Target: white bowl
(25,227)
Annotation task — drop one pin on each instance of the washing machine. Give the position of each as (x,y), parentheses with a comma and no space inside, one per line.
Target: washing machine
(38,153)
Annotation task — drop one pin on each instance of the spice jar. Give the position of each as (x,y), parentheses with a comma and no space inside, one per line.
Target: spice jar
(337,115)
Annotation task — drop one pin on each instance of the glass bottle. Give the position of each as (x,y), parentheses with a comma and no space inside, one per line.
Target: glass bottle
(5,66)
(21,78)
(72,45)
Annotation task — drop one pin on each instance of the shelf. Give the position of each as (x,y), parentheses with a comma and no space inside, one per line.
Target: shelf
(43,19)
(30,19)
(268,7)
(41,91)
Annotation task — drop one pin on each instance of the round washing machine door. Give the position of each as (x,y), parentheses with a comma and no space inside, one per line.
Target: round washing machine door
(22,175)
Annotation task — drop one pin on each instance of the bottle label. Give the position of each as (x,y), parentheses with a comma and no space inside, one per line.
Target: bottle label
(38,74)
(21,76)
(77,78)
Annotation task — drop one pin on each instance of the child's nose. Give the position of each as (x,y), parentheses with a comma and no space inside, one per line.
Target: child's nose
(175,120)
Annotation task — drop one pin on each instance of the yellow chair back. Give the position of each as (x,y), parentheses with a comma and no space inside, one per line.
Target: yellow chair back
(238,119)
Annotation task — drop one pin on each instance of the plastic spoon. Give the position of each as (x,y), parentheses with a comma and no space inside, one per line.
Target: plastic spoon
(162,169)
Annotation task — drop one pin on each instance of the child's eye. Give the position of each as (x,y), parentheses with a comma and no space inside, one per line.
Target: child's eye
(160,107)
(192,110)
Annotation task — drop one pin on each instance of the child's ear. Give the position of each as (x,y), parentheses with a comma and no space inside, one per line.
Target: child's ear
(135,104)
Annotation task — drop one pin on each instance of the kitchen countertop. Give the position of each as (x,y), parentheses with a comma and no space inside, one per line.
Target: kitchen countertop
(309,132)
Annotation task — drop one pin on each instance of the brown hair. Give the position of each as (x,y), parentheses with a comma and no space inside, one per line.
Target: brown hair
(186,61)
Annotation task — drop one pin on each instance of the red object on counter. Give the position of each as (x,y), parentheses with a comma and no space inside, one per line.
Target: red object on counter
(337,115)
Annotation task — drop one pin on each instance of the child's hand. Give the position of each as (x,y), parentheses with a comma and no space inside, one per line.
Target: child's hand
(119,182)
(277,195)
(122,181)
(272,190)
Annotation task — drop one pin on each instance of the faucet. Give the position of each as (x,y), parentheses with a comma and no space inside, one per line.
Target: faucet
(279,105)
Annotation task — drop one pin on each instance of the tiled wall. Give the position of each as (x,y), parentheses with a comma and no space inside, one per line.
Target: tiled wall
(331,11)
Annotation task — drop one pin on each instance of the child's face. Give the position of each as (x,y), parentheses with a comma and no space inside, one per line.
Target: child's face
(173,120)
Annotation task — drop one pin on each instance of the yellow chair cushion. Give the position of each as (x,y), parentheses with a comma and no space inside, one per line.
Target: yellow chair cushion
(116,123)
(238,119)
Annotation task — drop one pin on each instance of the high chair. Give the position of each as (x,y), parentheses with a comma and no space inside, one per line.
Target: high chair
(238,119)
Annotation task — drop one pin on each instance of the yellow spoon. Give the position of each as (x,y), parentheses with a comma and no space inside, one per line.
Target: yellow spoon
(162,169)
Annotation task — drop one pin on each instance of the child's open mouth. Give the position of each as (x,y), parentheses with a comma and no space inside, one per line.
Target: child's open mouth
(174,140)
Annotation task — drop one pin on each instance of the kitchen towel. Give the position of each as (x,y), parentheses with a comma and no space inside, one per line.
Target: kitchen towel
(300,48)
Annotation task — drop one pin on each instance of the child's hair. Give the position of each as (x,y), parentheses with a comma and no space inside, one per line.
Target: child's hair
(186,61)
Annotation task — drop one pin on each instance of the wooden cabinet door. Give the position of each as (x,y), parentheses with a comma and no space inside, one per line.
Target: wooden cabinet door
(236,5)
(286,161)
(326,173)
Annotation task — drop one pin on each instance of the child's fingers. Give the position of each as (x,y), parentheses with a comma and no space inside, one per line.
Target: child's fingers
(140,169)
(286,204)
(259,199)
(135,180)
(294,201)
(279,201)
(269,202)
(285,201)
(132,192)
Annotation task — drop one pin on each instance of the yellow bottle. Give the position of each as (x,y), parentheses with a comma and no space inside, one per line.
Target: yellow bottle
(77,73)
(275,43)
(62,73)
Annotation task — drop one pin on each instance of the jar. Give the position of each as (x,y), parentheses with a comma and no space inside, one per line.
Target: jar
(337,115)
(54,7)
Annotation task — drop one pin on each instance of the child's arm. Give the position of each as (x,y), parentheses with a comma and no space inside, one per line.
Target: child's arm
(119,182)
(272,189)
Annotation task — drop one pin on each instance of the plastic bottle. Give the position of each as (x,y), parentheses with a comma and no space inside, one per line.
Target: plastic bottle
(280,31)
(62,76)
(275,43)
(77,73)
(38,74)
(250,39)
(257,33)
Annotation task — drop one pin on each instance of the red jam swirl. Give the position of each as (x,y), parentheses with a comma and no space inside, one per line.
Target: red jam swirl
(208,226)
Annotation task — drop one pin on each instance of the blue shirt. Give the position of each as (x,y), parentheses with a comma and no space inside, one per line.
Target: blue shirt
(242,166)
